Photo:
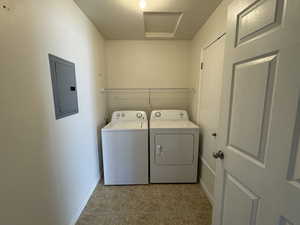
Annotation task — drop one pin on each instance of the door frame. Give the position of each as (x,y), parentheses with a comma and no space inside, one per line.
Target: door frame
(210,196)
(201,72)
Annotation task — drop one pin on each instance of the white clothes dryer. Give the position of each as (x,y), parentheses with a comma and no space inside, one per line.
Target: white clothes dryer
(174,147)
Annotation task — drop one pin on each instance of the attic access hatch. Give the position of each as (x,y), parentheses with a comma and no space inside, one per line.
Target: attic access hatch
(161,25)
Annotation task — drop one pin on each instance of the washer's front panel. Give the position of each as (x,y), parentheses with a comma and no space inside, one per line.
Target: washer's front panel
(125,157)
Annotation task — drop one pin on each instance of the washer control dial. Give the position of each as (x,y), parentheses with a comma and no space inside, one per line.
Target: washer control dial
(157,114)
(139,115)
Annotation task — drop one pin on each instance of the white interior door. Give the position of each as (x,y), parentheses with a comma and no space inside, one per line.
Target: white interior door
(258,181)
(210,98)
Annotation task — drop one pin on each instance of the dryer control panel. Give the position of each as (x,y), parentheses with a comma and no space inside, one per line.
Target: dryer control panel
(129,115)
(169,115)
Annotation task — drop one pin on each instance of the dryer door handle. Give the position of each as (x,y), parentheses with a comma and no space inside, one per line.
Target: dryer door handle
(158,149)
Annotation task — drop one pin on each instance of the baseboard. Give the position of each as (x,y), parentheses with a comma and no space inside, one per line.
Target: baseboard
(208,166)
(208,194)
(77,215)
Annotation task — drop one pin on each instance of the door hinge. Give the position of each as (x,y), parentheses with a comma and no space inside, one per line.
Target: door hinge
(202,66)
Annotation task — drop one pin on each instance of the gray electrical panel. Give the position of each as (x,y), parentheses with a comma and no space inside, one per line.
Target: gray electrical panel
(64,87)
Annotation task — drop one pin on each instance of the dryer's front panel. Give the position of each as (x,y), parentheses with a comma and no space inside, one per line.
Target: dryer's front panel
(173,156)
(174,149)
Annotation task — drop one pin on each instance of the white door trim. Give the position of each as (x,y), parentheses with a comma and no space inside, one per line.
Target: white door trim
(206,46)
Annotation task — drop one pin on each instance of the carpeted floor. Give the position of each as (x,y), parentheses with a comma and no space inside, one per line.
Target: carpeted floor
(161,204)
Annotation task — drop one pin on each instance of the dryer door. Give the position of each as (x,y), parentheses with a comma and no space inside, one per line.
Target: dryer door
(174,149)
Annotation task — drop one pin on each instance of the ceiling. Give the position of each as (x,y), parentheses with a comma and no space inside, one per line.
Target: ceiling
(160,19)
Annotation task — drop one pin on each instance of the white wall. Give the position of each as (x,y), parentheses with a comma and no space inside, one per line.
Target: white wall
(212,29)
(148,64)
(48,167)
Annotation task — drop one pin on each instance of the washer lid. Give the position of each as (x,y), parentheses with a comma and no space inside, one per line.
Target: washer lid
(125,125)
(166,124)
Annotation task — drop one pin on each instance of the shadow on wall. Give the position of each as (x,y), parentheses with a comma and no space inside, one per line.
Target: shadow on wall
(200,149)
(100,153)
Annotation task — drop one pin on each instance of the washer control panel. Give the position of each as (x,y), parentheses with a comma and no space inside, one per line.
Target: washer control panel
(129,115)
(169,115)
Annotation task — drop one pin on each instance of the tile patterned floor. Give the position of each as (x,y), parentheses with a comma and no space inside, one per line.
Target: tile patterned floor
(161,204)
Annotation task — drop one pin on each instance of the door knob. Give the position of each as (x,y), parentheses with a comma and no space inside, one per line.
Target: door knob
(219,155)
(214,134)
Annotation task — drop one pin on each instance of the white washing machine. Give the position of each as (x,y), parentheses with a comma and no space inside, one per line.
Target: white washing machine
(174,142)
(125,149)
